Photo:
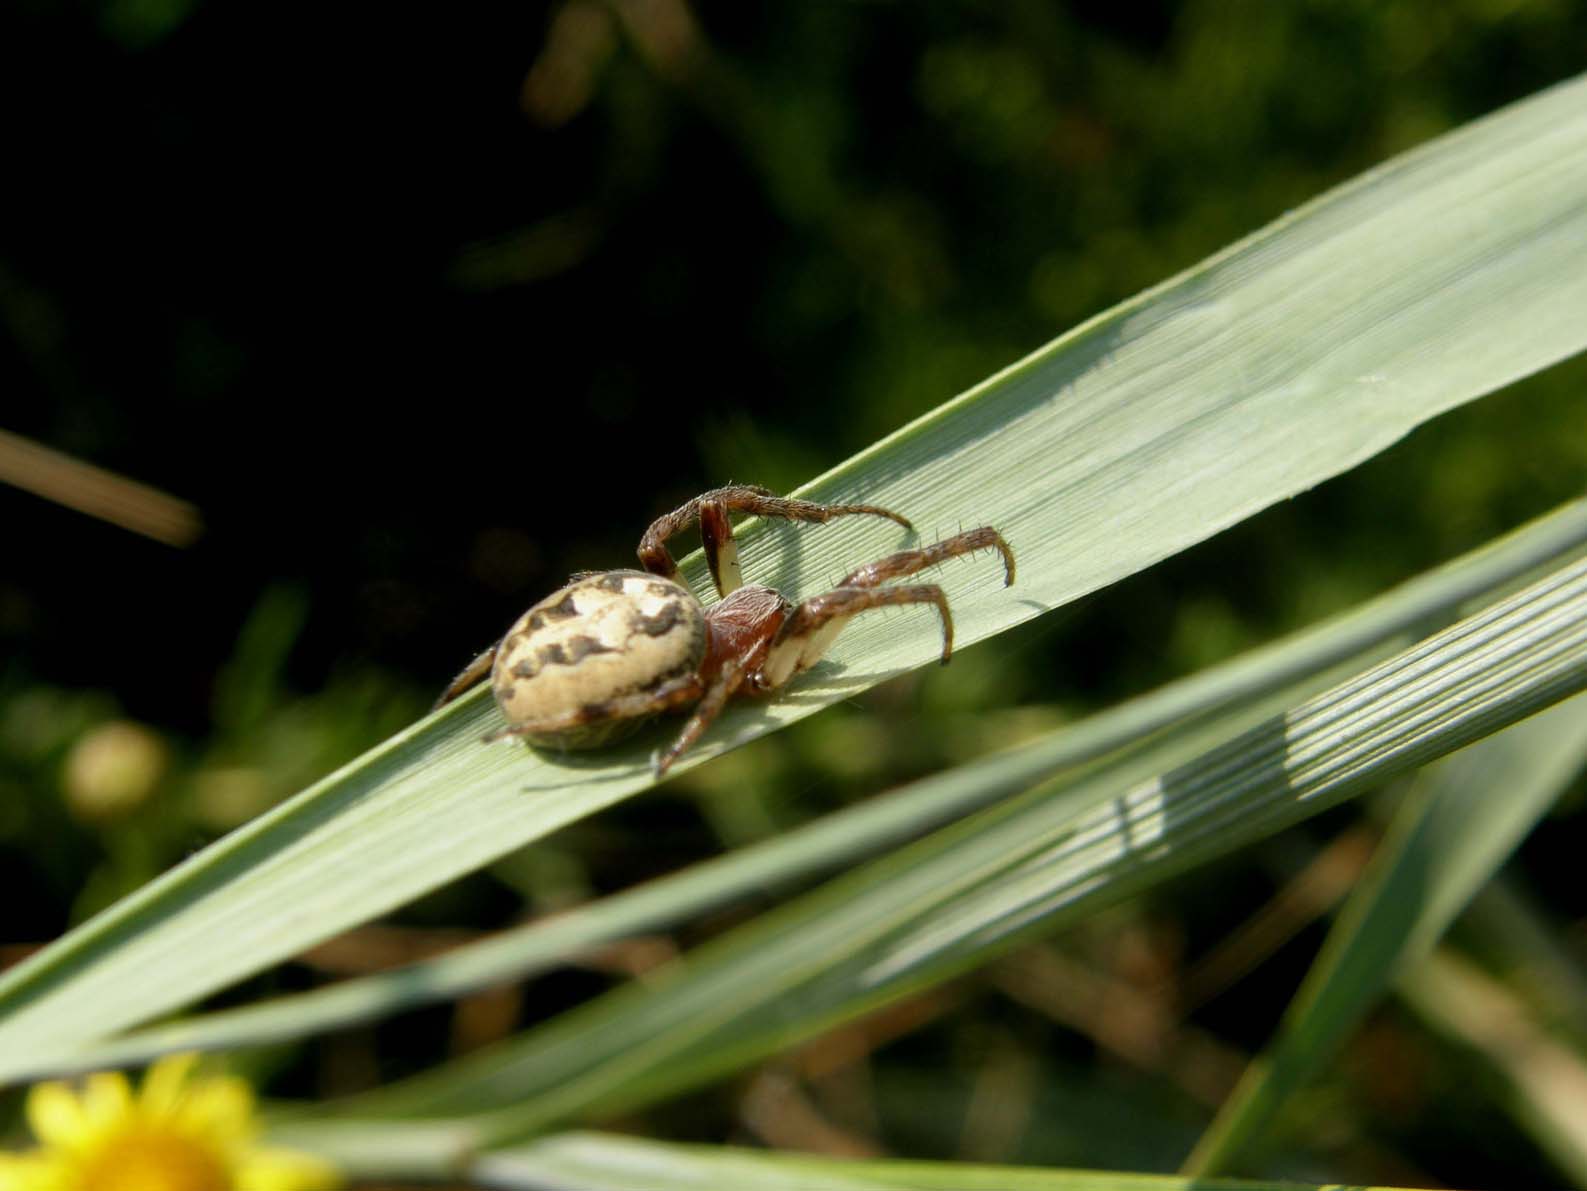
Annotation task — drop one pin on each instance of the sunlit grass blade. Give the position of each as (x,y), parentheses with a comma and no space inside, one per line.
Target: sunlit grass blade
(1452,832)
(1022,868)
(608,1162)
(1284,360)
(1219,699)
(601,1162)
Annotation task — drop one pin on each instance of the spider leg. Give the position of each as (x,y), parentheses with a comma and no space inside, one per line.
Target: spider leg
(472,673)
(812,626)
(721,551)
(909,562)
(635,705)
(722,688)
(711,510)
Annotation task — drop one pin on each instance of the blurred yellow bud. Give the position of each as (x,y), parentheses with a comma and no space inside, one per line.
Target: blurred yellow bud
(112,769)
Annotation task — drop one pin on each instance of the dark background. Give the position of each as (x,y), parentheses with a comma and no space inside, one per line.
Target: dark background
(424,310)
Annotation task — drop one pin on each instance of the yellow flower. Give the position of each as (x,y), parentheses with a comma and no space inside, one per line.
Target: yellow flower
(176,1133)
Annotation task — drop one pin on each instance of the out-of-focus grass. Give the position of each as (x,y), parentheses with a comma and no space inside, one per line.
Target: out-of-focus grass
(121,801)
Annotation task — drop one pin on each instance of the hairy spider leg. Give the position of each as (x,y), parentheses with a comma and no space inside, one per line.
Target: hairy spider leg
(723,687)
(721,551)
(717,532)
(910,562)
(471,674)
(813,625)
(675,692)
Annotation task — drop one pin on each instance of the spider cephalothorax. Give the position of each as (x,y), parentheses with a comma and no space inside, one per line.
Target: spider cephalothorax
(598,657)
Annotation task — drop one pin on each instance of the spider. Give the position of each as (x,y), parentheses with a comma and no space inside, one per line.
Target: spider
(598,657)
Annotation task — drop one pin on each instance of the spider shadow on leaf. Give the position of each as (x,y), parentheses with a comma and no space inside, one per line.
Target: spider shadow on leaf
(744,722)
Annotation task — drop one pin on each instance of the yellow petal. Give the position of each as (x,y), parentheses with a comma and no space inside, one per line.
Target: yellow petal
(164,1083)
(29,1172)
(106,1100)
(55,1115)
(286,1170)
(220,1108)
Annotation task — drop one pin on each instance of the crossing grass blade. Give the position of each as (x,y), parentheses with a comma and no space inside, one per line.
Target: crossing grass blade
(1284,360)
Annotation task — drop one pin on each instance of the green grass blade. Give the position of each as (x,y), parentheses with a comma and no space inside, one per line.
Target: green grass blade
(1450,835)
(1290,669)
(607,1162)
(1286,359)
(603,1162)
(1024,867)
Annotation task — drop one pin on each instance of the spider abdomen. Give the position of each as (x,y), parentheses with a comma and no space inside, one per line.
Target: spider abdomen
(599,639)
